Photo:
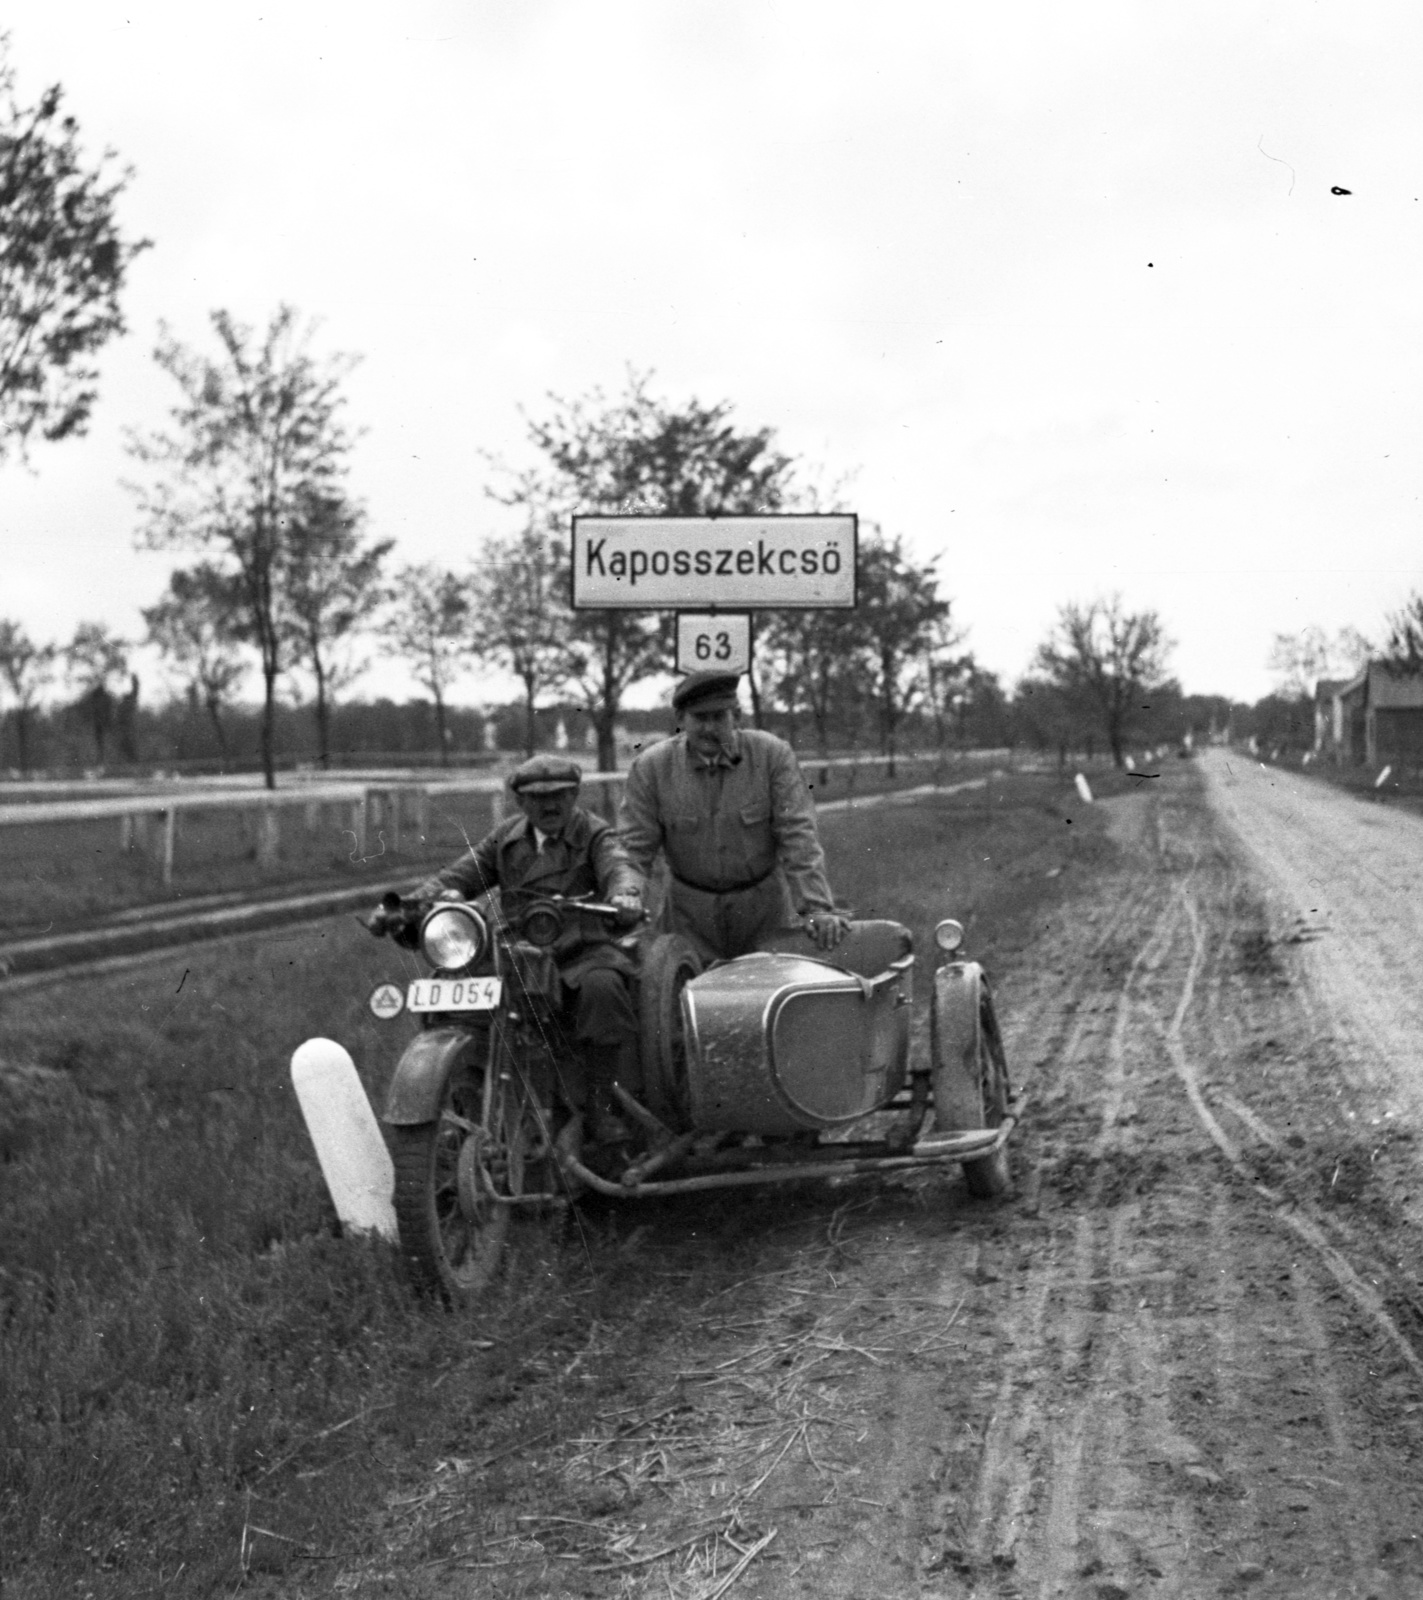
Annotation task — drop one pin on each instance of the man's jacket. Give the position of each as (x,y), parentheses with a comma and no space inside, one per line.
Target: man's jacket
(726,824)
(587,859)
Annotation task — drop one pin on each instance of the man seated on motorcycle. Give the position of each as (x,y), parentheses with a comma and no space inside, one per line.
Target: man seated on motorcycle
(554,846)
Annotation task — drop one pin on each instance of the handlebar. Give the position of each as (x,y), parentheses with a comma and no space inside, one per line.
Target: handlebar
(397,916)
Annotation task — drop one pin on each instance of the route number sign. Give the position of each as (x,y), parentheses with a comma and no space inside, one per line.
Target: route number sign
(696,563)
(705,642)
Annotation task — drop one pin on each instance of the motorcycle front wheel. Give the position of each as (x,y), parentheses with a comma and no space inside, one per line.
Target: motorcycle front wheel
(452,1228)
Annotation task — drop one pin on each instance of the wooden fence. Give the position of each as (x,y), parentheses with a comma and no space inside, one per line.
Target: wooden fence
(152,825)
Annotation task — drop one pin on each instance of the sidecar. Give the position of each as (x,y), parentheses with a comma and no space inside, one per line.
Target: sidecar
(792,1062)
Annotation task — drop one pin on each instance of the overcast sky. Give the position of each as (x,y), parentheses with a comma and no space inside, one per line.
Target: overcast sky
(1064,288)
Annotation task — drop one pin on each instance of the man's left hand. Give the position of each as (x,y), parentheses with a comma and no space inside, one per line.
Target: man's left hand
(827,928)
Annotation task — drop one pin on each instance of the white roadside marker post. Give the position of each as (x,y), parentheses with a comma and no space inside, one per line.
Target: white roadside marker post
(343,1128)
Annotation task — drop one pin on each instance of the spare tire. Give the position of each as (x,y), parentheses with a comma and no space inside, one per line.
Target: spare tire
(671,962)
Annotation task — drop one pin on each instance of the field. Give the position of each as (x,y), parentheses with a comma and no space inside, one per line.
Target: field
(67,874)
(201,1383)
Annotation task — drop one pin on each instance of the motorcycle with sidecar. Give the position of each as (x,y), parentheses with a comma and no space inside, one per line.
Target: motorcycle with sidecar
(784,1064)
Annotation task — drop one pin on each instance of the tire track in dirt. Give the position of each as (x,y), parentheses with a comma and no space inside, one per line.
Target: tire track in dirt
(1039,1462)
(1106,1465)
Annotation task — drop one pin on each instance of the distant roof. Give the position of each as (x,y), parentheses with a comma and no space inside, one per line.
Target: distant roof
(1395,683)
(1385,683)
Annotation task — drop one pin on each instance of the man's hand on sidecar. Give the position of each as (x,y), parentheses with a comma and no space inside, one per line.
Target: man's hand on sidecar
(827,928)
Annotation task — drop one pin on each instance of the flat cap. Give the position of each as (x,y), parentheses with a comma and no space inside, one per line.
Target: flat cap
(706,691)
(546,775)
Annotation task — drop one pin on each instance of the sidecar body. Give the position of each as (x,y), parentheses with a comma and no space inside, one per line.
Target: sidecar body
(789,1040)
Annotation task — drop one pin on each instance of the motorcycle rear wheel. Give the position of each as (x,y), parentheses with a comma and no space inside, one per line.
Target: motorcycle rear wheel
(452,1231)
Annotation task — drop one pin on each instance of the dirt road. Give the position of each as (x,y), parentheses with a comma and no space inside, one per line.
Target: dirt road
(1185,1358)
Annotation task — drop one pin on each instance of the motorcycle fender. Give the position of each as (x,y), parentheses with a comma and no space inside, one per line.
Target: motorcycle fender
(422,1072)
(954,1033)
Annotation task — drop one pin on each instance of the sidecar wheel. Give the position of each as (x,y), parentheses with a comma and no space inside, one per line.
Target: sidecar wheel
(971,1088)
(452,1232)
(671,962)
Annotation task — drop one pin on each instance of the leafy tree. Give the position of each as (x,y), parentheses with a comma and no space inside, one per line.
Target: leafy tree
(1108,656)
(256,441)
(62,268)
(521,618)
(331,588)
(632,454)
(98,665)
(430,624)
(1405,633)
(812,664)
(903,615)
(26,668)
(197,626)
(1055,716)
(966,703)
(982,711)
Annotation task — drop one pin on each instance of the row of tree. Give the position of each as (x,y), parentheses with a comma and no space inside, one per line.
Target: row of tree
(250,480)
(177,735)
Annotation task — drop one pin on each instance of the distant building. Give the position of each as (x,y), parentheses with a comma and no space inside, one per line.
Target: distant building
(1375,719)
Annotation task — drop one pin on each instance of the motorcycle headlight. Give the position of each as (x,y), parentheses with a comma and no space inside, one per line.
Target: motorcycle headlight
(453,937)
(948,935)
(542,924)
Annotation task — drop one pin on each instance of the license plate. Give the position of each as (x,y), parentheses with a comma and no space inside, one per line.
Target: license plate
(454,994)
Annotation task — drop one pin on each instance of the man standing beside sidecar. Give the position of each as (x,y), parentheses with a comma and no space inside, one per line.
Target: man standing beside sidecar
(729,809)
(555,847)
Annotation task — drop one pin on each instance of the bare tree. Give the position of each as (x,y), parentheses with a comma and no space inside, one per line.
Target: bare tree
(521,618)
(62,267)
(26,668)
(256,437)
(1111,656)
(1405,633)
(1299,660)
(197,625)
(331,588)
(430,623)
(97,667)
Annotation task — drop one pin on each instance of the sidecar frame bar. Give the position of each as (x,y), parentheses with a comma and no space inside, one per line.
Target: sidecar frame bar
(933,1151)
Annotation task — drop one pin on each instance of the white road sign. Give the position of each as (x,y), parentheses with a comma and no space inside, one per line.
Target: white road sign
(694,563)
(705,642)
